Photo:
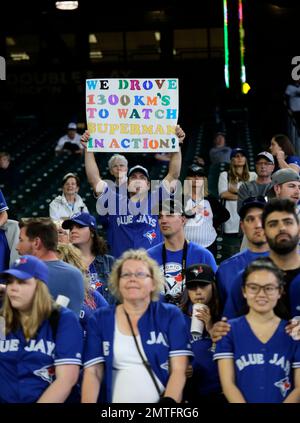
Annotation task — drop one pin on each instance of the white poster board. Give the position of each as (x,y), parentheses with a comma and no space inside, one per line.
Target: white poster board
(132,115)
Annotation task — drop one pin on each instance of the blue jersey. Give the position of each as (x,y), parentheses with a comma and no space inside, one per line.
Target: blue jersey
(236,303)
(3,205)
(263,371)
(27,368)
(230,267)
(205,370)
(91,304)
(174,281)
(99,271)
(129,224)
(163,335)
(293,160)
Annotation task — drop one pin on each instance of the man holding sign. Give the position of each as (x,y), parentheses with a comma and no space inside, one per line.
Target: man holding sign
(131,215)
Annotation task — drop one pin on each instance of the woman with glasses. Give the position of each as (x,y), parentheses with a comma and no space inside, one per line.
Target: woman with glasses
(258,361)
(138,350)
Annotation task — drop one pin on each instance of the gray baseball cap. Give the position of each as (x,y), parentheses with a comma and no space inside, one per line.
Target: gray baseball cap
(282,176)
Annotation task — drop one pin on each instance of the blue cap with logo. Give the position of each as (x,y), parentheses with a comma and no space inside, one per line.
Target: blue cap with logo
(26,267)
(82,219)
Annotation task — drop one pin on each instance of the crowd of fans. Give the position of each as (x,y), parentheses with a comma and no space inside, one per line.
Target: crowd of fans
(108,319)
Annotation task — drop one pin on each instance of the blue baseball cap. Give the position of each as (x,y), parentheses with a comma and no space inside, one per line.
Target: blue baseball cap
(250,203)
(82,219)
(26,267)
(236,151)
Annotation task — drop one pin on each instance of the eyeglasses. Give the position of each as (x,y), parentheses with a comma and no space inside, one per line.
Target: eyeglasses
(255,289)
(137,275)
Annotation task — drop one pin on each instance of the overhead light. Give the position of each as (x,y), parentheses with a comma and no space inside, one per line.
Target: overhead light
(92,39)
(157,36)
(66,5)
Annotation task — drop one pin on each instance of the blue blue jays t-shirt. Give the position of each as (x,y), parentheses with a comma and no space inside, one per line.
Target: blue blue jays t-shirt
(263,371)
(130,224)
(174,282)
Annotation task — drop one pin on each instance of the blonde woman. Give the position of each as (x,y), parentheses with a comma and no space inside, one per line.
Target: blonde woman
(92,298)
(37,362)
(228,186)
(111,354)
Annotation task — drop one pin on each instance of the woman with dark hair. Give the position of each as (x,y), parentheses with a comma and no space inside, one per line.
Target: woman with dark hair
(83,234)
(203,383)
(284,153)
(258,361)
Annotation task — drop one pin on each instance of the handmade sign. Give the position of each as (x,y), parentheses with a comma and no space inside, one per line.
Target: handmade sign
(132,115)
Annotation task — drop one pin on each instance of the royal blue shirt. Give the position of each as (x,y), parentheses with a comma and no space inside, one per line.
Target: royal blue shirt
(129,224)
(263,371)
(27,368)
(89,306)
(174,282)
(163,335)
(230,267)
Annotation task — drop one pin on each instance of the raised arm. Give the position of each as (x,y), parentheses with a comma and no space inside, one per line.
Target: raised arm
(91,168)
(175,161)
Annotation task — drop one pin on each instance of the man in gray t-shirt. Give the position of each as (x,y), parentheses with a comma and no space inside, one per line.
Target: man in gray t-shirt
(38,237)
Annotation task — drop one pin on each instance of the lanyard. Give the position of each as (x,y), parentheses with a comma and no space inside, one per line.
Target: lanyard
(183,264)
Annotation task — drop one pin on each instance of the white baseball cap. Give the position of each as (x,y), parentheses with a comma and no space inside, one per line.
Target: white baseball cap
(72,125)
(265,155)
